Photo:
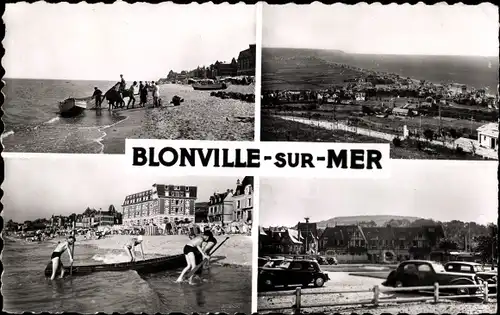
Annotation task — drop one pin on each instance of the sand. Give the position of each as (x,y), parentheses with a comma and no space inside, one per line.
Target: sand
(235,251)
(199,117)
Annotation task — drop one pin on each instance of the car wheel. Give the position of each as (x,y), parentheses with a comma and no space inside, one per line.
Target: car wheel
(398,284)
(463,291)
(319,282)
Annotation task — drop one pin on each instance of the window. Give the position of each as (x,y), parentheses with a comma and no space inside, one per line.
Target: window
(296,266)
(424,268)
(465,268)
(249,202)
(238,204)
(187,188)
(410,268)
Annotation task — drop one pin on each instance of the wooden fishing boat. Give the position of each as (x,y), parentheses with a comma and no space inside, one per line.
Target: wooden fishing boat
(143,266)
(71,107)
(209,86)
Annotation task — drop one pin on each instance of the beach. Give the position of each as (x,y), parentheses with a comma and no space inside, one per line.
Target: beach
(237,250)
(32,123)
(200,116)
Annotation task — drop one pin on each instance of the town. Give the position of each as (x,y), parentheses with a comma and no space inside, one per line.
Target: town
(160,210)
(417,115)
(240,71)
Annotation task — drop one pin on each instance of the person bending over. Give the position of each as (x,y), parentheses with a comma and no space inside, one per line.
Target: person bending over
(190,250)
(56,256)
(131,245)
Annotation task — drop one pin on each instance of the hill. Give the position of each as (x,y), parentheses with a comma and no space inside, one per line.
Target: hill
(315,68)
(379,220)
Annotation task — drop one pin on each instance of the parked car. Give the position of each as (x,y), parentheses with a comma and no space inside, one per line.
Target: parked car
(293,272)
(425,273)
(332,260)
(489,276)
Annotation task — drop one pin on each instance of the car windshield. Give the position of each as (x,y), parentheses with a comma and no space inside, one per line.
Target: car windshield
(284,265)
(438,267)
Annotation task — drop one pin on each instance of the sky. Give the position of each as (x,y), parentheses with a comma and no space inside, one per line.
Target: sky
(142,41)
(439,29)
(42,186)
(439,190)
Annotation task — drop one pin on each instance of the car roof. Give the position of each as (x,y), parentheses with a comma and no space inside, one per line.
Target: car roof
(463,263)
(419,261)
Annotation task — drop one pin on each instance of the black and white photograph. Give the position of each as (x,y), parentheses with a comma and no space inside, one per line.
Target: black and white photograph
(81,78)
(83,235)
(423,78)
(423,241)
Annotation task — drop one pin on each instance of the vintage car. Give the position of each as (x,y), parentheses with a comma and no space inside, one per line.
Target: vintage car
(322,260)
(292,272)
(412,273)
(262,261)
(489,276)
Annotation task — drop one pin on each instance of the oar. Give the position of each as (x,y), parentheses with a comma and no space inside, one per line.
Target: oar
(72,251)
(206,260)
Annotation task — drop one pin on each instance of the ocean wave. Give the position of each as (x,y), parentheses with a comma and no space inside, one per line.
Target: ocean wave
(6,134)
(52,120)
(111,258)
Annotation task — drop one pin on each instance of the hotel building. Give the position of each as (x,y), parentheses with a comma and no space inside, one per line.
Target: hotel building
(160,205)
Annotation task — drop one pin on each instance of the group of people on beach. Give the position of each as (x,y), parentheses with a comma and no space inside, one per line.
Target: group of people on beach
(196,251)
(141,89)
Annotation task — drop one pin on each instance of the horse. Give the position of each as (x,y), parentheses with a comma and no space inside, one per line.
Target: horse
(114,98)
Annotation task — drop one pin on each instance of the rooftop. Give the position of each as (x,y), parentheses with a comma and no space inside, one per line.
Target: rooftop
(490,129)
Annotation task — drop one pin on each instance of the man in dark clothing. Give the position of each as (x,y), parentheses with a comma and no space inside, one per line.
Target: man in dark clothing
(98,97)
(123,84)
(131,95)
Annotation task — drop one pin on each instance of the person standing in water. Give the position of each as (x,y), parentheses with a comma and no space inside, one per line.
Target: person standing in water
(209,244)
(156,94)
(190,250)
(56,256)
(130,246)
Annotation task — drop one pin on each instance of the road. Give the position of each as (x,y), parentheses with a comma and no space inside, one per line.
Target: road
(341,281)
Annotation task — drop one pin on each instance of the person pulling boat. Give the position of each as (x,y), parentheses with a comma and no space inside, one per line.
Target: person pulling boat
(132,243)
(209,244)
(57,253)
(193,247)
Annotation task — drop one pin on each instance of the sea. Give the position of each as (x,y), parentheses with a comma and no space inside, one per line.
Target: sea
(25,288)
(32,123)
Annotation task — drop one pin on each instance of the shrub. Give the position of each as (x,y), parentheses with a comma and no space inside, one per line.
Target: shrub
(396,141)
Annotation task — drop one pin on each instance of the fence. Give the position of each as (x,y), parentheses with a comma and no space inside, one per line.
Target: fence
(377,300)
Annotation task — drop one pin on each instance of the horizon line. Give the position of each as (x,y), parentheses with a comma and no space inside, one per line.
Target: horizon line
(375,53)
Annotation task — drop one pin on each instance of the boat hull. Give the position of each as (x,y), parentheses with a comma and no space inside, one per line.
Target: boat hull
(209,87)
(70,107)
(142,266)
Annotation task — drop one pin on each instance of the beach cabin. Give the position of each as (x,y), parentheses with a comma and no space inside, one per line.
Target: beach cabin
(488,136)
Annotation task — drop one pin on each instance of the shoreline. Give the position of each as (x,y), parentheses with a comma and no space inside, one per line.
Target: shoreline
(236,251)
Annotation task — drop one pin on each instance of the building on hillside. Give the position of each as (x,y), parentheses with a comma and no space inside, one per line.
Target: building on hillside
(243,200)
(163,204)
(246,61)
(201,212)
(488,136)
(400,111)
(360,96)
(221,208)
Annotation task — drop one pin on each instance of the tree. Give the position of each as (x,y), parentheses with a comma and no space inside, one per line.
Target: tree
(448,245)
(487,244)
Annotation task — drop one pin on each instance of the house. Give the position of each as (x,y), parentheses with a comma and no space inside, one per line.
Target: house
(104,218)
(280,241)
(400,111)
(246,61)
(221,69)
(201,212)
(221,208)
(346,242)
(243,200)
(488,136)
(360,96)
(163,204)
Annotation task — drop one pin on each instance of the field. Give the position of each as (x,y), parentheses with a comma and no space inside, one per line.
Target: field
(296,68)
(276,129)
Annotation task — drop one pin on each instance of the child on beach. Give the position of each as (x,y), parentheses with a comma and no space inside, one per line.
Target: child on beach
(56,256)
(130,246)
(191,249)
